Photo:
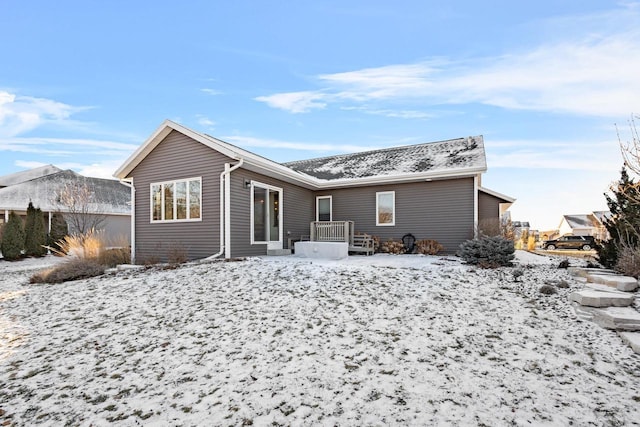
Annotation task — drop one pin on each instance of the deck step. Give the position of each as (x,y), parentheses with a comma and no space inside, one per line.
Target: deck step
(593,298)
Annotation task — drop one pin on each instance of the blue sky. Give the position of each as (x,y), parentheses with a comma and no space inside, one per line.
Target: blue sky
(84,83)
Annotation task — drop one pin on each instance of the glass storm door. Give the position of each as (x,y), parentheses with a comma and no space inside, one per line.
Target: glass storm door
(323,208)
(266,215)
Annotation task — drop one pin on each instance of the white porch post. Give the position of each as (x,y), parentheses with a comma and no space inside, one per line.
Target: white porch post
(49,222)
(6,216)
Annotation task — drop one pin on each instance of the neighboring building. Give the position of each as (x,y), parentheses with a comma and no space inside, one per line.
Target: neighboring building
(591,224)
(209,197)
(40,186)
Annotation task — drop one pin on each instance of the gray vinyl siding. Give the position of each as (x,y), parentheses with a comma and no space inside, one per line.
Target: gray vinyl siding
(178,157)
(488,207)
(298,205)
(440,210)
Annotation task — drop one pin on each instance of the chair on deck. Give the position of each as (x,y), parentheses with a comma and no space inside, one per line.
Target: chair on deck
(409,242)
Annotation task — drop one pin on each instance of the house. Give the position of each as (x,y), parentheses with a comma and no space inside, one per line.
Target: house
(210,198)
(110,199)
(591,224)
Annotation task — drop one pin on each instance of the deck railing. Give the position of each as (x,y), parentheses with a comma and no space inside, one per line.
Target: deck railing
(332,231)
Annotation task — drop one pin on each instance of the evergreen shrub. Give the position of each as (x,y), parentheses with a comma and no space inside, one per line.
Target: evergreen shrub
(487,252)
(12,243)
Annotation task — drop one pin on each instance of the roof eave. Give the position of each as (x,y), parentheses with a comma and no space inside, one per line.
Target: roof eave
(394,179)
(507,199)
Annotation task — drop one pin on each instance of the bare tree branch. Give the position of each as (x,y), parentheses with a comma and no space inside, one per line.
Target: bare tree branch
(77,203)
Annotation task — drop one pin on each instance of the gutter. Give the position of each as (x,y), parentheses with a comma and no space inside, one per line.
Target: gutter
(225,210)
(129,183)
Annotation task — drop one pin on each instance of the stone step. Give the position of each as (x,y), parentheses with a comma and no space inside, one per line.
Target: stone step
(603,288)
(633,339)
(617,318)
(590,298)
(278,252)
(621,283)
(583,271)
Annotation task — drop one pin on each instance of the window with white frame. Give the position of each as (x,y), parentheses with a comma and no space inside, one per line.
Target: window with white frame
(178,200)
(386,208)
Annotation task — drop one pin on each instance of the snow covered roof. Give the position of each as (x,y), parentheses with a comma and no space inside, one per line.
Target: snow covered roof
(579,221)
(460,157)
(601,216)
(22,176)
(110,196)
(456,154)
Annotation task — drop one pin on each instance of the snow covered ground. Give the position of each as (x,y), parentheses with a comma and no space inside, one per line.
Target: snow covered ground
(382,340)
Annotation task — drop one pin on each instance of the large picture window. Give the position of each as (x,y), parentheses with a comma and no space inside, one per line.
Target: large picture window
(176,200)
(386,208)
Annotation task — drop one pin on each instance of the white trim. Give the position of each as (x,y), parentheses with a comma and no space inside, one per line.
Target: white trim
(267,167)
(330,207)
(393,213)
(476,206)
(496,194)
(175,201)
(280,216)
(227,211)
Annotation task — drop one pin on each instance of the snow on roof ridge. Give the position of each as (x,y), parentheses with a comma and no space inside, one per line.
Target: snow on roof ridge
(381,150)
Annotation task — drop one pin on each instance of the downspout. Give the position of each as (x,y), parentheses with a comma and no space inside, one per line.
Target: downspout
(476,178)
(129,184)
(225,210)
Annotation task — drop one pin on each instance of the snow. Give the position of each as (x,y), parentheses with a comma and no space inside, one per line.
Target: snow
(379,340)
(437,157)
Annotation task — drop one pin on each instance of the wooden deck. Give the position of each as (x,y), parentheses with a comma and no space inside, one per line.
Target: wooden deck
(341,231)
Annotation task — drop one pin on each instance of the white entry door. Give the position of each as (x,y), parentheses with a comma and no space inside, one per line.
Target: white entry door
(266,215)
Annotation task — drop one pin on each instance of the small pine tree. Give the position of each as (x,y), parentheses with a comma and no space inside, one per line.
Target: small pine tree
(487,252)
(35,233)
(59,230)
(624,223)
(12,238)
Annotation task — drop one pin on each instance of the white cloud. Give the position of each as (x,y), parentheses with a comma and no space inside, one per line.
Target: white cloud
(212,92)
(563,155)
(205,121)
(296,102)
(590,68)
(63,146)
(21,114)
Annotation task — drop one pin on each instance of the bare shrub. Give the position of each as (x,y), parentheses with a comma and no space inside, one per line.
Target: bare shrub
(392,247)
(376,244)
(177,254)
(547,289)
(428,247)
(628,261)
(492,227)
(88,245)
(73,269)
(114,256)
(151,260)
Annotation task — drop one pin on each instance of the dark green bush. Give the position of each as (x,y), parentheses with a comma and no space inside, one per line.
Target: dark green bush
(59,230)
(487,252)
(35,232)
(73,269)
(12,238)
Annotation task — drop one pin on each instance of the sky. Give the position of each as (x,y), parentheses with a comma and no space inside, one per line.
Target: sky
(551,85)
